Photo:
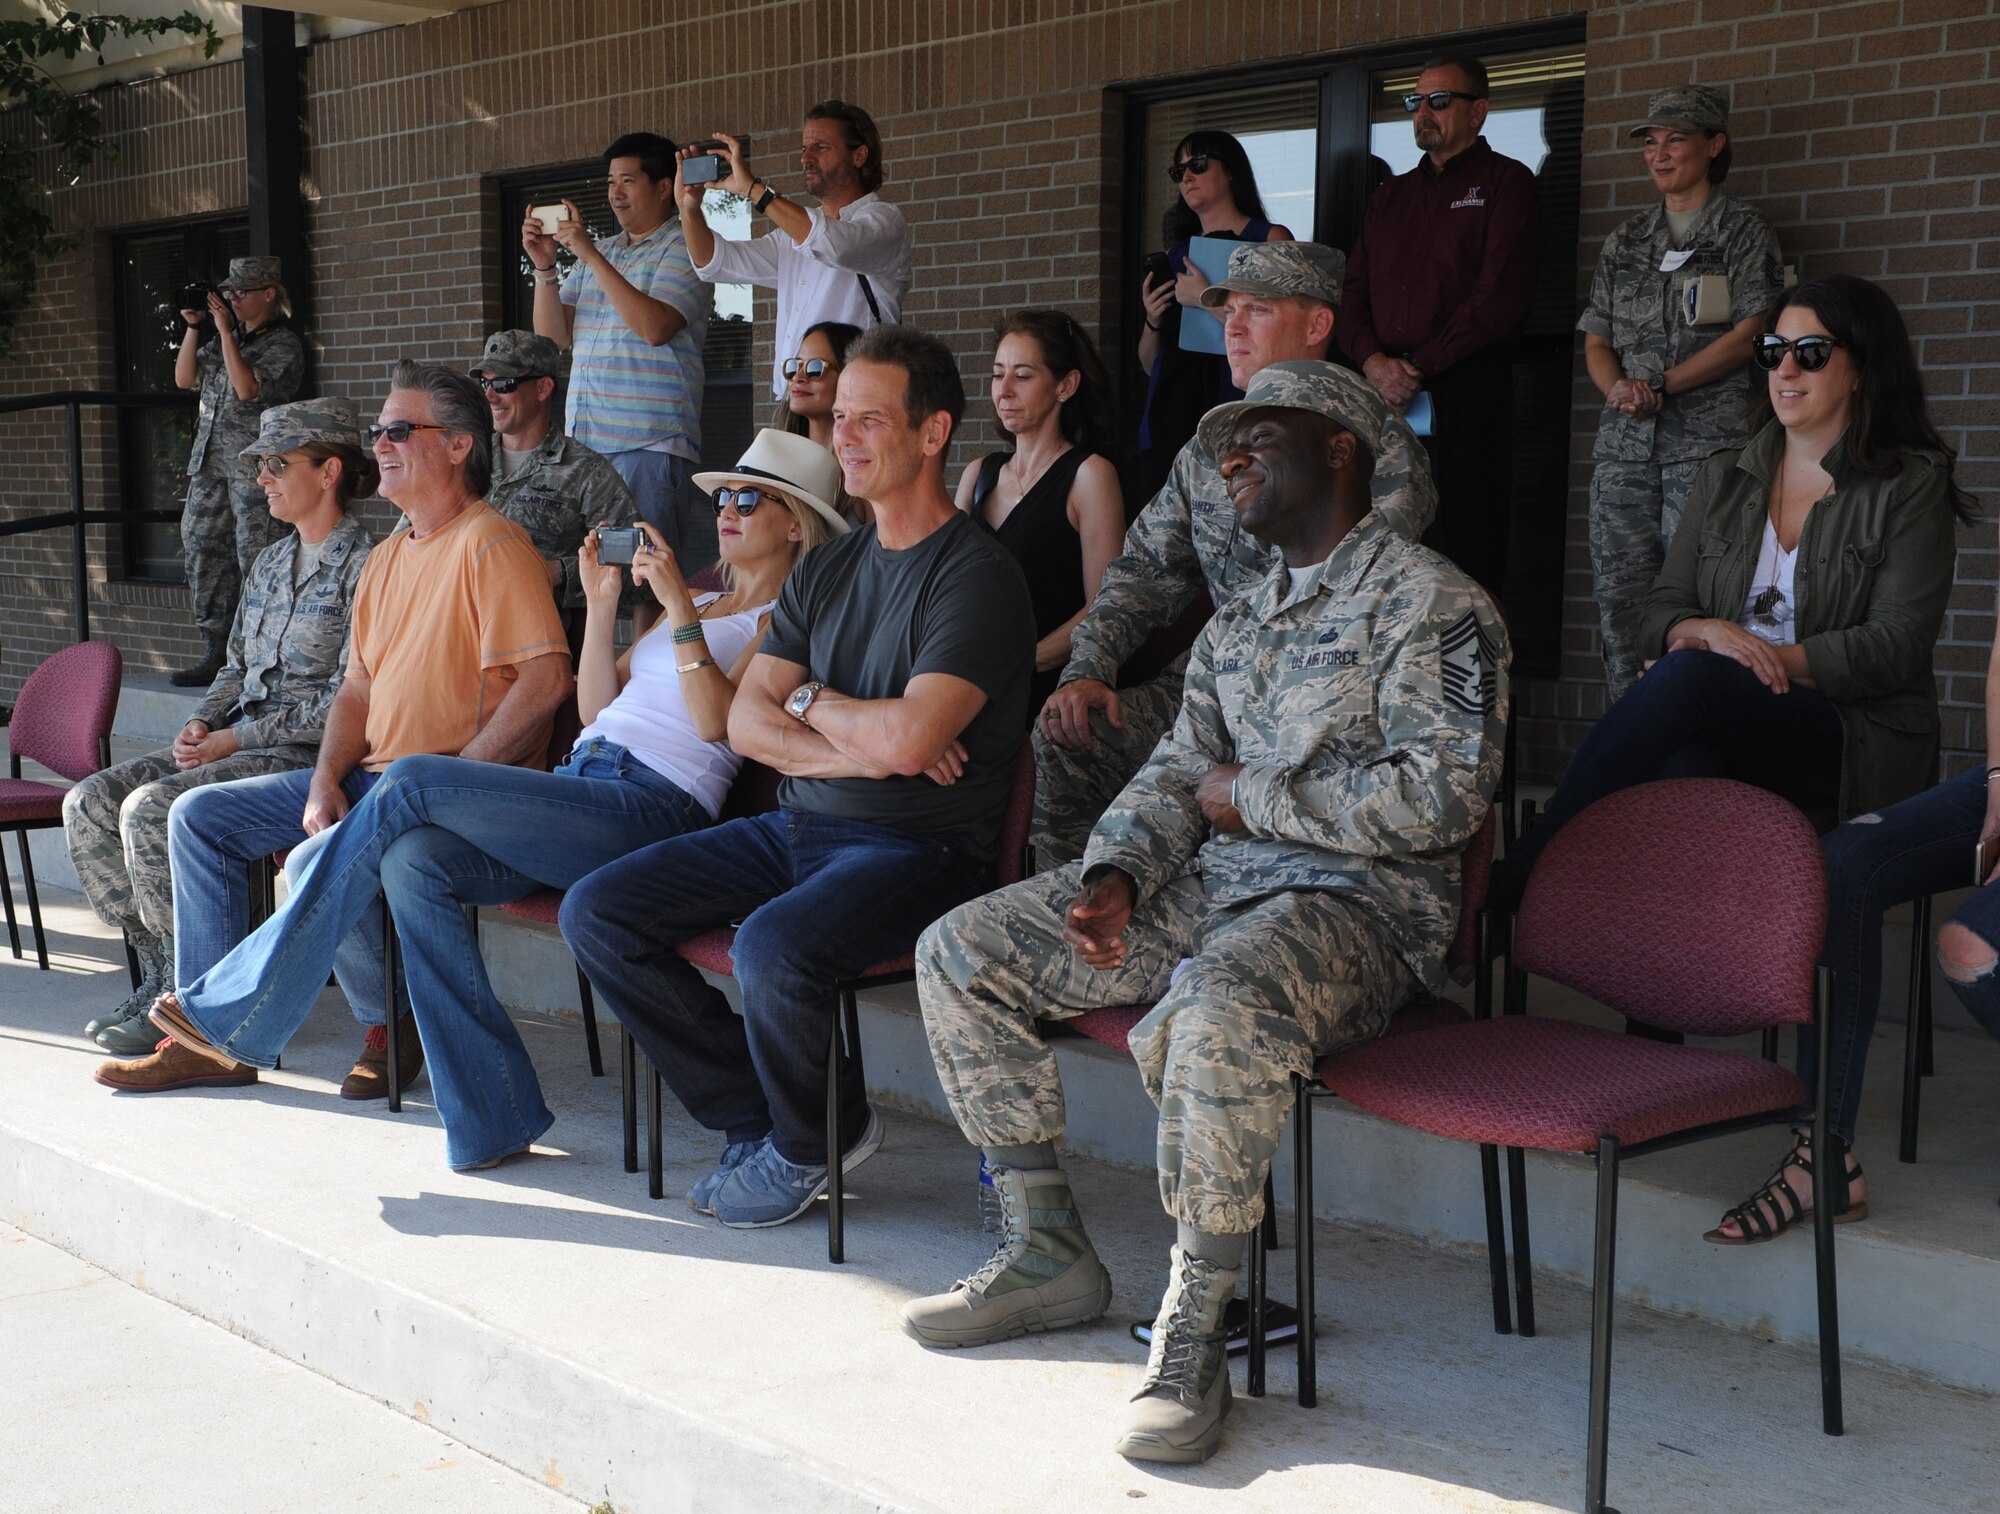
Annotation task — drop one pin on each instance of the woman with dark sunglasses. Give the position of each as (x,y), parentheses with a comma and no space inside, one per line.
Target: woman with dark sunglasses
(1215,196)
(1794,620)
(811,377)
(1675,380)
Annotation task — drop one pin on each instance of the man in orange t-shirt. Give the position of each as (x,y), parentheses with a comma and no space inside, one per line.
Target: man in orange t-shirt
(455,648)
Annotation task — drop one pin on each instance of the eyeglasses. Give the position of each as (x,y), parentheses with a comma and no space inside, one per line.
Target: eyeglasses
(1198,163)
(1437,99)
(811,367)
(399,431)
(504,385)
(746,500)
(276,466)
(1812,352)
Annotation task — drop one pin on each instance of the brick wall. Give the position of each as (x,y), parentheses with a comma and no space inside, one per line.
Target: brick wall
(1858,129)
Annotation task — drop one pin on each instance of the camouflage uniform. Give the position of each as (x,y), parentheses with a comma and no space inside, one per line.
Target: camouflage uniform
(1367,706)
(225,522)
(1646,464)
(1185,541)
(564,488)
(287,652)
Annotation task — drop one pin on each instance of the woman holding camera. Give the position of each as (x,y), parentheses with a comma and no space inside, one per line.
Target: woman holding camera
(1053,501)
(651,762)
(1215,196)
(250,360)
(1674,377)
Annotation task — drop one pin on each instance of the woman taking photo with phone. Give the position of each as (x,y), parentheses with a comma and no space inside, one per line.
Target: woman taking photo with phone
(1216,196)
(438,833)
(1053,501)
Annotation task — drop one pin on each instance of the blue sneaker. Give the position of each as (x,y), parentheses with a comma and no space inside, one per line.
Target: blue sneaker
(701,1197)
(767,1190)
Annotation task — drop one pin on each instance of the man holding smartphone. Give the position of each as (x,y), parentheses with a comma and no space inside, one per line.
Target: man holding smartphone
(846,259)
(634,317)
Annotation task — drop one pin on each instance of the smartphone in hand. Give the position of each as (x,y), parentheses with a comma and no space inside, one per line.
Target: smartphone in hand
(617,545)
(1157,269)
(1983,854)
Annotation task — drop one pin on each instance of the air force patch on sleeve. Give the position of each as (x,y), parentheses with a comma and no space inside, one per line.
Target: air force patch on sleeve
(1467,666)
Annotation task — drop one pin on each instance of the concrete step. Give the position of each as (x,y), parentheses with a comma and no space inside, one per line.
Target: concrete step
(551,1316)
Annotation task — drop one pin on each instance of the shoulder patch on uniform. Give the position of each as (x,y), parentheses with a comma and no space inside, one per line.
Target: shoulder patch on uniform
(1466,666)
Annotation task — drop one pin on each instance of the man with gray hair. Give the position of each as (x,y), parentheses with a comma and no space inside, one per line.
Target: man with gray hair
(1280,876)
(1278,304)
(455,649)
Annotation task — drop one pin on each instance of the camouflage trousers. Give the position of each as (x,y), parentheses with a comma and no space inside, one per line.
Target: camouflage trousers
(1073,789)
(1268,988)
(1635,508)
(225,523)
(115,822)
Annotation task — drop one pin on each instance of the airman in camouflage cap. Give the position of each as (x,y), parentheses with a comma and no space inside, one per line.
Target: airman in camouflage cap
(261,272)
(1686,107)
(518,354)
(1339,394)
(284,427)
(1280,268)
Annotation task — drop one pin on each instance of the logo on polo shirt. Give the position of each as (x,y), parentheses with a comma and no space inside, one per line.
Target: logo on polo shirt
(1472,198)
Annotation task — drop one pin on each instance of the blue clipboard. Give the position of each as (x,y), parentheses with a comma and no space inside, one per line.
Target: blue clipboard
(1201,331)
(1419,414)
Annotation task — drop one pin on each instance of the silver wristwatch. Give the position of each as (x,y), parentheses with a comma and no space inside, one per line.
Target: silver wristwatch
(801,698)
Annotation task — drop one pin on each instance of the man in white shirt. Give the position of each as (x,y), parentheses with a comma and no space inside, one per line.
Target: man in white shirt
(848,259)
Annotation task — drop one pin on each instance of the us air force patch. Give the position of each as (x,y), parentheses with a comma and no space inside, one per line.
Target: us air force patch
(1466,666)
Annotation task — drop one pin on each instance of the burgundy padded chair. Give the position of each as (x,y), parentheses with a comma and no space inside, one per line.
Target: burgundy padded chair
(1695,905)
(63,721)
(710,951)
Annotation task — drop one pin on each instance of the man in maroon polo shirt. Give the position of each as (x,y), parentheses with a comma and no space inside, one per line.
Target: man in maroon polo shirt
(1441,277)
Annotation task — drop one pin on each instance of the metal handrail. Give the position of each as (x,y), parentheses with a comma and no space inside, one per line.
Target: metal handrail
(72,401)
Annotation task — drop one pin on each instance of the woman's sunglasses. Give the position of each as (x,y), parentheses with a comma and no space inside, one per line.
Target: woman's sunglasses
(1196,164)
(745,499)
(811,367)
(1812,352)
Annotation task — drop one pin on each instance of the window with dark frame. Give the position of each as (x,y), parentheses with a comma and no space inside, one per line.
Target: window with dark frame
(1317,133)
(150,268)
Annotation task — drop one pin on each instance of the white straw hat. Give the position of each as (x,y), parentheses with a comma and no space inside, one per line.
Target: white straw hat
(797,464)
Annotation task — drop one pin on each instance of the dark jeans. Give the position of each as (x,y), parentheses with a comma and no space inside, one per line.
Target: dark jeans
(1698,714)
(1921,846)
(820,899)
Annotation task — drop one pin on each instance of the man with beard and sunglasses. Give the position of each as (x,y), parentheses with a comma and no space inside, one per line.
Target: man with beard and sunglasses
(551,485)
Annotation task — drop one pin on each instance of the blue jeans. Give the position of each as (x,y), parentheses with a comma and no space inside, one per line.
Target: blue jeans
(1698,714)
(820,899)
(435,834)
(1921,846)
(213,834)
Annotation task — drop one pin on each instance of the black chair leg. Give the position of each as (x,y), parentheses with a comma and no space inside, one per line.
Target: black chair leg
(1916,1038)
(588,1001)
(1524,1262)
(1253,1375)
(34,902)
(1270,1214)
(1769,1048)
(628,1089)
(392,971)
(847,1027)
(1302,1247)
(1829,1296)
(1496,1237)
(131,958)
(1602,1288)
(656,1183)
(7,898)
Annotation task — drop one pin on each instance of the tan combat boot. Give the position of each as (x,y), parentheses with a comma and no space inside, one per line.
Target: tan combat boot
(1178,1411)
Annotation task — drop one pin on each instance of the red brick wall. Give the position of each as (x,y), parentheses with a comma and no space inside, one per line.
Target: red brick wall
(1859,132)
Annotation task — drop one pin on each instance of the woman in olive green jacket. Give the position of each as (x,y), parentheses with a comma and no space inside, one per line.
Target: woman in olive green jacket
(1794,621)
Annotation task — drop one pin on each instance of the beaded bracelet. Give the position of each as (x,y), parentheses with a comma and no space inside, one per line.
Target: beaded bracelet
(692,631)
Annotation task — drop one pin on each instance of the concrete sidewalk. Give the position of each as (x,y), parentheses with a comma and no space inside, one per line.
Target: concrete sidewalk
(552,1317)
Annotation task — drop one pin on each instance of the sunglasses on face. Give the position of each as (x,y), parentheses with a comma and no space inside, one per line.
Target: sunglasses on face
(508,385)
(1196,164)
(811,367)
(746,500)
(276,466)
(399,431)
(1812,352)
(1437,99)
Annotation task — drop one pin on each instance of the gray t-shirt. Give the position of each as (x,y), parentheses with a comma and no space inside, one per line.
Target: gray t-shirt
(866,620)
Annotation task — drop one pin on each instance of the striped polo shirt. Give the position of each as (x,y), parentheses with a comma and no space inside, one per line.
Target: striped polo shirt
(624,393)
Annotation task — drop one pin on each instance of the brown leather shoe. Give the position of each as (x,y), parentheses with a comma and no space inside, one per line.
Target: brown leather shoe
(174,1065)
(167,1017)
(370,1078)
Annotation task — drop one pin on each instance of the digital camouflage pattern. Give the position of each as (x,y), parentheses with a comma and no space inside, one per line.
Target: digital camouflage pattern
(1368,708)
(1635,508)
(287,654)
(1686,107)
(1184,541)
(283,428)
(258,271)
(560,492)
(1306,269)
(1640,311)
(225,521)
(518,354)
